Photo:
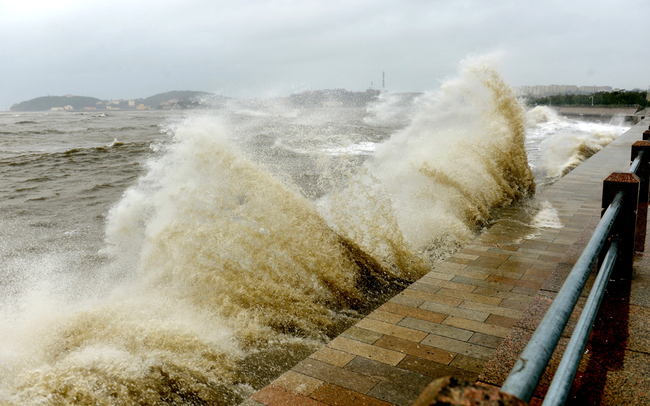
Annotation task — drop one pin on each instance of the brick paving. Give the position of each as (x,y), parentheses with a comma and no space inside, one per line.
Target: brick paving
(473,312)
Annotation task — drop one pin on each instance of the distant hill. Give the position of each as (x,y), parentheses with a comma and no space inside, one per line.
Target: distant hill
(177,99)
(47,102)
(180,95)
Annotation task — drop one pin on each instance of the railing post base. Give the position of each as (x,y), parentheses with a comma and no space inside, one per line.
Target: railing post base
(624,228)
(450,391)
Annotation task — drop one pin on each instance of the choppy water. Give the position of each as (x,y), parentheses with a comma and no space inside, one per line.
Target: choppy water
(167,258)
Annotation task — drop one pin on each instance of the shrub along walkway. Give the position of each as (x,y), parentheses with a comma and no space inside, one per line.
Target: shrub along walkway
(474,312)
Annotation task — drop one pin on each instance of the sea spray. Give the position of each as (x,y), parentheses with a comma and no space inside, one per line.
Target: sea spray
(461,157)
(546,216)
(393,109)
(563,143)
(363,212)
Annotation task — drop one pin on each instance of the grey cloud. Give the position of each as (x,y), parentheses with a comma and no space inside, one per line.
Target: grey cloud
(135,49)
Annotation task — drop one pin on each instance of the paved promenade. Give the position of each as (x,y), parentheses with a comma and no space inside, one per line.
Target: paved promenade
(472,314)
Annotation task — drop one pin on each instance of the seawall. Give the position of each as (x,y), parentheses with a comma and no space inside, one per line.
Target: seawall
(629,114)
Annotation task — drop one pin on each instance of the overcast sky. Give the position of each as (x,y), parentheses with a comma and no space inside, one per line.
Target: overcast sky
(129,49)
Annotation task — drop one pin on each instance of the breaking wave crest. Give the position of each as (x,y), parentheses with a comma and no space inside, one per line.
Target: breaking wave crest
(461,157)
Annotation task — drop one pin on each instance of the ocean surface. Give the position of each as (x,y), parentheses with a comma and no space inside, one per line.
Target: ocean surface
(188,258)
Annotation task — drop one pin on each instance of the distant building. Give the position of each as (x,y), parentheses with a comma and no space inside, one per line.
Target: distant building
(68,108)
(132,103)
(57,108)
(594,89)
(170,105)
(90,108)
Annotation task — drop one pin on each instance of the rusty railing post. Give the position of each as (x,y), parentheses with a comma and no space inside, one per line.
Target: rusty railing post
(643,172)
(624,228)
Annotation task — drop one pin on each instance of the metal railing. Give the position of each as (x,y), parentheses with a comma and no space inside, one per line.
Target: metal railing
(621,198)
